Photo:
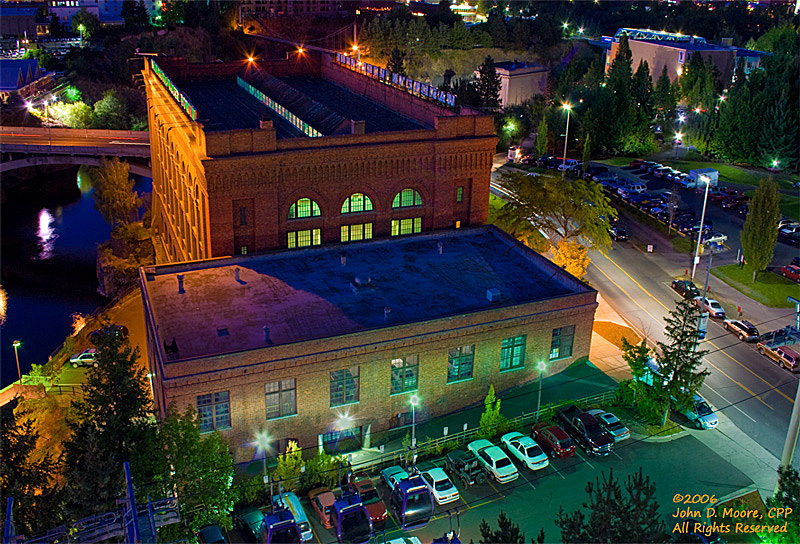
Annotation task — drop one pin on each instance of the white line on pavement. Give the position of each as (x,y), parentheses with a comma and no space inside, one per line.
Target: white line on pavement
(732,404)
(585,460)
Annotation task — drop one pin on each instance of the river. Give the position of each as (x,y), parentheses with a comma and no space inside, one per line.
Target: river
(48,251)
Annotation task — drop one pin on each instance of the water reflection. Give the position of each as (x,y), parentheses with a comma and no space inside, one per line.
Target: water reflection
(47,234)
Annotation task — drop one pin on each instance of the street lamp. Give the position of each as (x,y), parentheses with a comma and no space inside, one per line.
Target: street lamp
(263,440)
(707,181)
(678,138)
(16,345)
(775,163)
(567,107)
(358,51)
(414,400)
(541,366)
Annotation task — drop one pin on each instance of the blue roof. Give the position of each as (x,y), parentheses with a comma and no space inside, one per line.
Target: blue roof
(518,65)
(6,11)
(14,73)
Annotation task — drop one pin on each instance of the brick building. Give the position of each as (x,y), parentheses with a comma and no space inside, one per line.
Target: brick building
(326,345)
(304,151)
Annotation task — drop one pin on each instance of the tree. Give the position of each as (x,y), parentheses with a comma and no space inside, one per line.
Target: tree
(492,421)
(114,196)
(74,115)
(497,29)
(55,26)
(290,467)
(518,227)
(787,497)
(396,63)
(508,532)
(615,516)
(111,112)
(521,34)
(619,83)
(489,84)
(86,23)
(760,233)
(587,152)
(575,210)
(37,501)
(779,134)
(541,137)
(665,103)
(135,14)
(571,256)
(459,37)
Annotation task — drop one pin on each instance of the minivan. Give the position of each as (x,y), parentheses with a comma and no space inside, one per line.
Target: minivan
(292,503)
(701,414)
(636,188)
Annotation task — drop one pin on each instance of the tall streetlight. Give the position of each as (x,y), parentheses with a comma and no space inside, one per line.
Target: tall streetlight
(16,345)
(263,439)
(358,52)
(567,107)
(707,181)
(414,400)
(541,366)
(678,138)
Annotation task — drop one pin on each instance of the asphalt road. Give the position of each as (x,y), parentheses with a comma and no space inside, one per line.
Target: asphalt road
(62,137)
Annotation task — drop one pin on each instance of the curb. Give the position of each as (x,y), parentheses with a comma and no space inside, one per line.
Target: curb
(659,439)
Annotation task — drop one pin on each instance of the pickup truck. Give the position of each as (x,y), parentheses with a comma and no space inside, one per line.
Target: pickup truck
(586,430)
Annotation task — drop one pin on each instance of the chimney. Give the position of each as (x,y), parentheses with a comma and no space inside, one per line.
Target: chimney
(180,284)
(386,311)
(440,247)
(236,273)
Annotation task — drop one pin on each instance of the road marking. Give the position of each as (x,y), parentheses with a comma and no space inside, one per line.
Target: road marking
(624,291)
(557,471)
(489,481)
(733,405)
(521,475)
(636,282)
(615,453)
(585,460)
(750,370)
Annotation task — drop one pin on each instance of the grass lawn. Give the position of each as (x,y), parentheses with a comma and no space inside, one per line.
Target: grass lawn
(617,161)
(733,174)
(790,205)
(770,289)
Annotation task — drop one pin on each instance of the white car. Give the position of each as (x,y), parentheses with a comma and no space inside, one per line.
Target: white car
(441,487)
(791,228)
(526,450)
(611,424)
(494,461)
(711,306)
(87,357)
(392,475)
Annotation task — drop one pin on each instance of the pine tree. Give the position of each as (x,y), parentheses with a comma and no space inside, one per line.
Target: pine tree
(396,63)
(508,532)
(489,84)
(619,83)
(541,137)
(497,29)
(587,152)
(760,233)
(788,498)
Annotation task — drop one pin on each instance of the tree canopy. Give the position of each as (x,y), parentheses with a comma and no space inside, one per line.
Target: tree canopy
(760,232)
(114,196)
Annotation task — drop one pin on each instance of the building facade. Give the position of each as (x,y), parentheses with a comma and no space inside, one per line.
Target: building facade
(304,151)
(520,81)
(326,345)
(276,8)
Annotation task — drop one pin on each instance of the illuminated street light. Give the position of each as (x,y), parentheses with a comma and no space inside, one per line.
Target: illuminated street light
(358,52)
(250,59)
(301,50)
(567,107)
(16,345)
(775,163)
(681,118)
(263,440)
(565,25)
(414,400)
(707,181)
(580,30)
(542,366)
(678,138)
(697,110)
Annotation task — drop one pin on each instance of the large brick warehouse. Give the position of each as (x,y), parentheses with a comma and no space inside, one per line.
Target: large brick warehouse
(277,154)
(326,345)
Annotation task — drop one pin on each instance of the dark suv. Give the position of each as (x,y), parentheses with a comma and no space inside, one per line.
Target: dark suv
(685,288)
(116,331)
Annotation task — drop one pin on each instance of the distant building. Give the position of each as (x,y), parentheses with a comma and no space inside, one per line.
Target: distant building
(287,7)
(18,22)
(674,50)
(326,345)
(520,81)
(22,77)
(108,12)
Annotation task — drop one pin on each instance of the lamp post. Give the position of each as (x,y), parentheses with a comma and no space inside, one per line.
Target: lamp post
(263,439)
(567,107)
(678,138)
(414,400)
(707,181)
(542,366)
(16,345)
(358,52)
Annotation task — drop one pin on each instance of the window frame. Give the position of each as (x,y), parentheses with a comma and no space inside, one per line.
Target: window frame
(341,380)
(509,355)
(366,232)
(214,405)
(366,204)
(399,225)
(313,209)
(280,396)
(404,367)
(557,342)
(293,238)
(401,199)
(458,361)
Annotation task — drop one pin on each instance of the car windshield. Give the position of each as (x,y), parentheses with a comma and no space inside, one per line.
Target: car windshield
(714,304)
(703,409)
(503,462)
(751,331)
(566,443)
(443,485)
(616,426)
(355,526)
(369,496)
(533,451)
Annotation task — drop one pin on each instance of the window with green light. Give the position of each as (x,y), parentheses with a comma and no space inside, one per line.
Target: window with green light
(305,207)
(407,198)
(357,202)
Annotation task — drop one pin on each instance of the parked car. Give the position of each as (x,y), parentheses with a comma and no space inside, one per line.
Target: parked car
(115,331)
(732,202)
(646,164)
(592,171)
(618,233)
(210,534)
(611,424)
(554,440)
(392,475)
(322,500)
(662,172)
(795,261)
(791,271)
(711,306)
(525,449)
(746,331)
(604,176)
(567,165)
(700,413)
(494,461)
(87,357)
(653,167)
(585,430)
(785,222)
(362,484)
(441,487)
(685,288)
(743,209)
(464,465)
(291,502)
(784,355)
(636,163)
(248,523)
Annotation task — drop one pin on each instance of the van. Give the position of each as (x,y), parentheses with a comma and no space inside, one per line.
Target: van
(701,414)
(292,503)
(636,188)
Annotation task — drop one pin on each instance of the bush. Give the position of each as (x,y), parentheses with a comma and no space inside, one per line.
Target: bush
(323,469)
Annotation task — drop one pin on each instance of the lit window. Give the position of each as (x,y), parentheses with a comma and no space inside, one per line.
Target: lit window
(459,194)
(405,374)
(512,353)
(281,398)
(353,233)
(304,238)
(406,199)
(214,411)
(357,202)
(305,207)
(344,386)
(561,344)
(401,227)
(460,362)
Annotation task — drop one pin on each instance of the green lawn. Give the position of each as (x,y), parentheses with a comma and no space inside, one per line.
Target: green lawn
(733,174)
(790,205)
(617,161)
(770,289)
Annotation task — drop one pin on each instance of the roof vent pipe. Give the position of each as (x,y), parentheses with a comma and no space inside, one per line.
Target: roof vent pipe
(236,273)
(386,311)
(180,284)
(440,247)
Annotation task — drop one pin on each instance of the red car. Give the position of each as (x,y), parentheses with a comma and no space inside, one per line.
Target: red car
(792,272)
(553,440)
(322,502)
(360,483)
(636,163)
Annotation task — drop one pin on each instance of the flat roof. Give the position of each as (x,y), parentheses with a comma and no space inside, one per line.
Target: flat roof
(378,118)
(222,105)
(309,294)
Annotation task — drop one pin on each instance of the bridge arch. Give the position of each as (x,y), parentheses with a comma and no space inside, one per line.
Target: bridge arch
(28,162)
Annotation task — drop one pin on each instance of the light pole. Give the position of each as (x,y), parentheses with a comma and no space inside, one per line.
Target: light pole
(678,138)
(707,181)
(263,439)
(542,366)
(567,107)
(16,345)
(358,52)
(414,400)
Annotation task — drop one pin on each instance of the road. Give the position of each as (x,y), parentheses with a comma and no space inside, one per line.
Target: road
(59,140)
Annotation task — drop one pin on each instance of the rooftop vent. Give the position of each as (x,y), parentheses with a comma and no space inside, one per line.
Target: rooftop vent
(493,294)
(180,284)
(223,332)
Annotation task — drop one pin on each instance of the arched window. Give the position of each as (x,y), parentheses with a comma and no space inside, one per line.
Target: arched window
(305,207)
(357,202)
(407,198)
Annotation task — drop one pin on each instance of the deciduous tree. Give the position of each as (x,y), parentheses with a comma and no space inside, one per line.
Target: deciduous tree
(114,196)
(396,63)
(111,112)
(571,256)
(290,467)
(760,232)
(86,23)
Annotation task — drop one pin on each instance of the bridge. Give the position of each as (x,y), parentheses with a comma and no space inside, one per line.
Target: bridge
(24,147)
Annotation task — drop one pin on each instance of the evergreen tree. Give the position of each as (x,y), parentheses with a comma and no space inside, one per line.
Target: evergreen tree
(614,516)
(508,532)
(587,152)
(618,83)
(489,84)
(86,23)
(521,34)
(760,233)
(665,102)
(541,137)
(492,421)
(779,134)
(497,28)
(459,37)
(396,63)
(788,498)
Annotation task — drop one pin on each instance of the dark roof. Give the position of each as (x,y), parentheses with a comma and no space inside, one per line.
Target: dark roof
(16,73)
(223,105)
(518,65)
(6,11)
(351,105)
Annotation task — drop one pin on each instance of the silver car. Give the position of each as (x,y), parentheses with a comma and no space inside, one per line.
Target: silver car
(711,306)
(746,331)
